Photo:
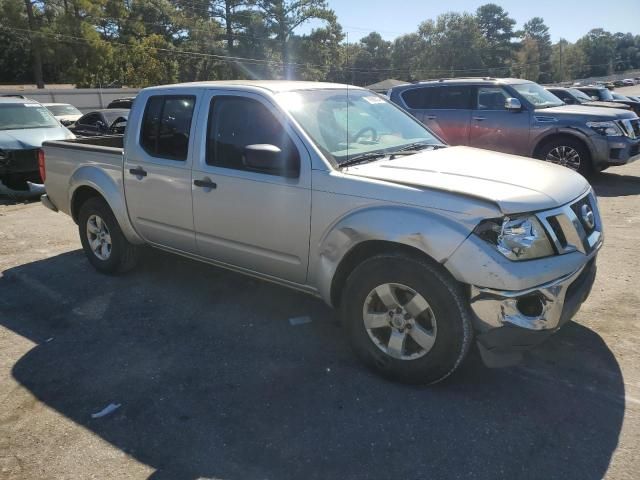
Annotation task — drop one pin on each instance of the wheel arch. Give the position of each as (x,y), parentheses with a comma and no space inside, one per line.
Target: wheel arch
(89,182)
(419,233)
(563,133)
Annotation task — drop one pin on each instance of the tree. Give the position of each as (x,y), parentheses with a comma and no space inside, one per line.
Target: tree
(599,47)
(322,52)
(568,61)
(536,30)
(456,45)
(497,28)
(528,58)
(373,60)
(406,56)
(284,16)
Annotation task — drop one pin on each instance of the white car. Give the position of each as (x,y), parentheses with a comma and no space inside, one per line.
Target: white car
(629,82)
(65,113)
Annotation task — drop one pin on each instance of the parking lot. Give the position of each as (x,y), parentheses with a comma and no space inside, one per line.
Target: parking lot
(213,380)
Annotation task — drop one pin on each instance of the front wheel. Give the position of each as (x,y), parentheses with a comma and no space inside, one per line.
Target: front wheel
(102,239)
(569,153)
(407,318)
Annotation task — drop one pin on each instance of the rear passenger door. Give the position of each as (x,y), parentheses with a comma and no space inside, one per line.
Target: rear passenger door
(157,170)
(493,127)
(244,217)
(445,110)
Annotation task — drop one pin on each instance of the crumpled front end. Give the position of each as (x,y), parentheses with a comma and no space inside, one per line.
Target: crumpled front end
(518,304)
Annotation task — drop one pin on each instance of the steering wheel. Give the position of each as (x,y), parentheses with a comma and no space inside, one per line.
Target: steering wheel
(362,131)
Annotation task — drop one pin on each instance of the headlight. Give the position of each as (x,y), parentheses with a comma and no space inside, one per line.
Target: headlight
(608,129)
(521,238)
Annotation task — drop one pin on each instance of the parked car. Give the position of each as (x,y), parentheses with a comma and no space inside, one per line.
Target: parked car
(335,191)
(573,96)
(65,113)
(627,100)
(618,83)
(521,117)
(101,122)
(24,125)
(602,94)
(633,97)
(628,82)
(125,102)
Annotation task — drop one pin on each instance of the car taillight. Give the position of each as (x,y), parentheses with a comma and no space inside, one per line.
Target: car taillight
(43,173)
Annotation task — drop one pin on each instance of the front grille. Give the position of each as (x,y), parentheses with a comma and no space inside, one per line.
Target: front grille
(630,127)
(574,227)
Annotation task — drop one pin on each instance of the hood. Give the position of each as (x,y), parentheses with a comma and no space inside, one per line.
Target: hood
(599,103)
(586,111)
(515,184)
(31,137)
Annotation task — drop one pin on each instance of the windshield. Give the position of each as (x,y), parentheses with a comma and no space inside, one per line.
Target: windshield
(60,110)
(538,96)
(580,96)
(16,116)
(349,123)
(617,96)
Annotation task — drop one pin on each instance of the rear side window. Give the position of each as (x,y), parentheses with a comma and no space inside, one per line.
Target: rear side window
(439,98)
(166,126)
(234,123)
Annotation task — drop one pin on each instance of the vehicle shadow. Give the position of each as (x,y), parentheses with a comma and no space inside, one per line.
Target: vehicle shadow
(214,381)
(609,184)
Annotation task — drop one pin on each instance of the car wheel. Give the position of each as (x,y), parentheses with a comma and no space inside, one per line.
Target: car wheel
(102,239)
(407,319)
(569,153)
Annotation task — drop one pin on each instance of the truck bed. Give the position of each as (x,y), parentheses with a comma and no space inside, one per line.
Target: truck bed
(65,159)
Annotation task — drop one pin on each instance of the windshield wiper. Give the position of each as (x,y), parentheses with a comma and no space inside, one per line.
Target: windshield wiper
(414,148)
(364,158)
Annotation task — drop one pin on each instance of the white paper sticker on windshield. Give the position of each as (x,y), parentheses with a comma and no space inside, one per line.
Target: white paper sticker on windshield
(373,100)
(31,104)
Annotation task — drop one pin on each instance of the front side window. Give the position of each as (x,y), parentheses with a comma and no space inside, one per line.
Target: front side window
(166,126)
(91,119)
(235,123)
(347,123)
(491,98)
(15,116)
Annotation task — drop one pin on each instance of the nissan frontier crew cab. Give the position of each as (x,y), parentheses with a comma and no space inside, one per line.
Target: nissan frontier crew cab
(333,190)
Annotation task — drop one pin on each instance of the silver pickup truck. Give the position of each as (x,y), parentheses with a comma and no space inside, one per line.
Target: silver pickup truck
(337,192)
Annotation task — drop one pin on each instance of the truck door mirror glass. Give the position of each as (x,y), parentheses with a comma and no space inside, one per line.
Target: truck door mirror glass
(512,104)
(271,159)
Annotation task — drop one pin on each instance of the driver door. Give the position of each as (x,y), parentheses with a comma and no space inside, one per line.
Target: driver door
(246,218)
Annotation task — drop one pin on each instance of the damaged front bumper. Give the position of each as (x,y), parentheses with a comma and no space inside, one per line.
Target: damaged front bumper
(509,322)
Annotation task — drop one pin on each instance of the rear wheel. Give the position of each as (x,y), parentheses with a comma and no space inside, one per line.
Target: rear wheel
(102,239)
(407,319)
(569,153)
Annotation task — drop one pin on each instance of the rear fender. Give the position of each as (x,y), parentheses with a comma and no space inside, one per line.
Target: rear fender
(109,186)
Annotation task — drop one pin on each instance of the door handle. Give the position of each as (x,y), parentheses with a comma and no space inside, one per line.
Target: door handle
(430,117)
(205,183)
(138,172)
(479,119)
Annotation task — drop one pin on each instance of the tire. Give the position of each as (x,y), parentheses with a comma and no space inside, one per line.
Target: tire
(550,148)
(447,320)
(121,256)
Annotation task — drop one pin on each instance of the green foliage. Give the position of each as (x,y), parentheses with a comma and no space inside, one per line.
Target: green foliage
(144,42)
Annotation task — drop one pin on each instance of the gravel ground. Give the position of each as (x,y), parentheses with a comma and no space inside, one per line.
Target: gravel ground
(214,382)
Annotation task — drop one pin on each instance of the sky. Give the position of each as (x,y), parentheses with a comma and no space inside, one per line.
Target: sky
(569,19)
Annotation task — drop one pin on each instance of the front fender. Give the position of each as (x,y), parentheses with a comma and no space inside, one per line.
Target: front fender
(431,232)
(109,185)
(545,135)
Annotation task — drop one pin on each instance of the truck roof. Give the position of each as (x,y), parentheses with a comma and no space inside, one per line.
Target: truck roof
(274,86)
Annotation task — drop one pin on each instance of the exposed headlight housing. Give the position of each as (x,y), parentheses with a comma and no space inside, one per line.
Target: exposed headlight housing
(520,238)
(608,129)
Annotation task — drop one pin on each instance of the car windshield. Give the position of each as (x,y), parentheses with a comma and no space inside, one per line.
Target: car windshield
(617,96)
(538,96)
(580,96)
(16,116)
(350,123)
(60,110)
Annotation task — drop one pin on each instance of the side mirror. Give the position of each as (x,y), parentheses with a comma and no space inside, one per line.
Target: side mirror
(101,125)
(512,104)
(271,160)
(595,97)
